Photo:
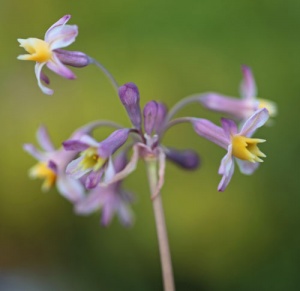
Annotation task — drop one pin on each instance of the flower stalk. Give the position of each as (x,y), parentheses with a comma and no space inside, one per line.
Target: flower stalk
(163,242)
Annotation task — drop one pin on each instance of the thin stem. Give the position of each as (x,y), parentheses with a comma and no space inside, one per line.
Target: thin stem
(183,102)
(107,73)
(161,229)
(88,128)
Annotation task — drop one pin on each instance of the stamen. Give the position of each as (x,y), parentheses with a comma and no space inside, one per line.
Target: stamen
(38,50)
(269,105)
(91,159)
(246,148)
(42,171)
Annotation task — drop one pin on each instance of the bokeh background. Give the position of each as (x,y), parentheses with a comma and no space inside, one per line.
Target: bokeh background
(244,239)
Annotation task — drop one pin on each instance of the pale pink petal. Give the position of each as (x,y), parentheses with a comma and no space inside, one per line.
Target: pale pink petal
(70,188)
(38,69)
(74,169)
(62,36)
(248,86)
(129,168)
(92,202)
(210,131)
(59,68)
(60,22)
(246,167)
(125,214)
(33,151)
(256,120)
(44,139)
(226,170)
(229,126)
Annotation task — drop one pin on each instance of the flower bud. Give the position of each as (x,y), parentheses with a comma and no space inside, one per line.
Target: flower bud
(150,114)
(186,159)
(160,116)
(73,58)
(130,98)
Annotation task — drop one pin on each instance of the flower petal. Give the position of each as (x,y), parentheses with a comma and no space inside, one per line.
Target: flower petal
(246,167)
(229,126)
(256,120)
(226,170)
(130,167)
(59,68)
(125,214)
(74,170)
(33,151)
(248,86)
(237,108)
(70,188)
(44,139)
(92,202)
(108,146)
(93,179)
(60,22)
(210,131)
(75,145)
(38,69)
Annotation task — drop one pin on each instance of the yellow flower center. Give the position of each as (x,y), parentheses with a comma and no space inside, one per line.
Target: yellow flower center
(269,105)
(91,159)
(246,148)
(38,50)
(42,171)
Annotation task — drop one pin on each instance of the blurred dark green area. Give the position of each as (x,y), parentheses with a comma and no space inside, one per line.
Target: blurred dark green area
(244,239)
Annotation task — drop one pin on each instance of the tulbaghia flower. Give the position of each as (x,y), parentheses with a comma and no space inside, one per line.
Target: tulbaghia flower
(51,167)
(48,52)
(93,163)
(94,159)
(112,199)
(239,144)
(240,109)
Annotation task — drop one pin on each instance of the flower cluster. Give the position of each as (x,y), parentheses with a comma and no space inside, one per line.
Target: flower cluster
(89,172)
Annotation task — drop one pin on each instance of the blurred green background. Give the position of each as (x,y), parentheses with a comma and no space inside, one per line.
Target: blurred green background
(244,239)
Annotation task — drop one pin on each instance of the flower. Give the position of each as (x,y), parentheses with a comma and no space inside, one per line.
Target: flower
(94,162)
(51,167)
(111,199)
(48,52)
(239,145)
(94,158)
(240,109)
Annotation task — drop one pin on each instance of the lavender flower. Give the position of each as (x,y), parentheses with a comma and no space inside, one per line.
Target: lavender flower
(238,144)
(240,109)
(93,161)
(48,52)
(111,199)
(95,157)
(51,167)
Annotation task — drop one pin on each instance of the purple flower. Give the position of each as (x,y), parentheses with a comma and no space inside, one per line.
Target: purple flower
(48,52)
(111,199)
(240,109)
(93,161)
(51,167)
(238,144)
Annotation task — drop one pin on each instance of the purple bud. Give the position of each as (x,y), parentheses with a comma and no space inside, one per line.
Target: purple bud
(73,58)
(113,142)
(130,98)
(150,113)
(187,159)
(160,116)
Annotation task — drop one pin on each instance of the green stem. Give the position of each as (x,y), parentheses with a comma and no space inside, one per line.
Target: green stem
(161,229)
